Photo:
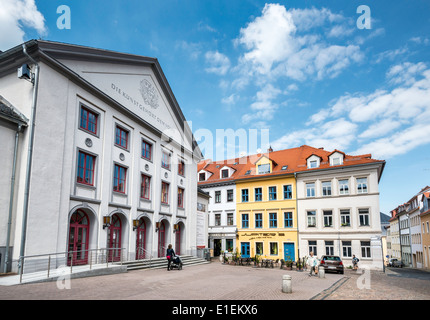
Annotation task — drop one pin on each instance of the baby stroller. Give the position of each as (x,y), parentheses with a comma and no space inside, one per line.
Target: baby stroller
(176,262)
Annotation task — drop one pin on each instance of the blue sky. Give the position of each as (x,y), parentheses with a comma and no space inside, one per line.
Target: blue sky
(301,69)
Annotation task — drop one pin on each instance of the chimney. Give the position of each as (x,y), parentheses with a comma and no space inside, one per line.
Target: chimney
(270,149)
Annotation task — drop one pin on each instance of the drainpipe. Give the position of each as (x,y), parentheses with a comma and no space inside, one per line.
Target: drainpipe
(12,189)
(297,215)
(35,81)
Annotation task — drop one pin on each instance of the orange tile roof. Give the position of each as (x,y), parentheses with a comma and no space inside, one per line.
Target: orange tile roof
(294,159)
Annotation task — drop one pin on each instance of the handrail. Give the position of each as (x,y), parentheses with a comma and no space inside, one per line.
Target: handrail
(145,251)
(69,256)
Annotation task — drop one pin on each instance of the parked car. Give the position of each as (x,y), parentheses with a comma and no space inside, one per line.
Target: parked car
(332,263)
(393,262)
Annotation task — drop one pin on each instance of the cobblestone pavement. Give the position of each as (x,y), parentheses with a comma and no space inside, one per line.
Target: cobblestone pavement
(391,285)
(213,281)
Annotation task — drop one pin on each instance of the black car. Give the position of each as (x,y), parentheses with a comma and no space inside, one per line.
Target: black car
(332,263)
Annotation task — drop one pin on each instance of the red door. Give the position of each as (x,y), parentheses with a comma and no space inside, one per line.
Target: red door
(141,240)
(114,238)
(78,238)
(178,240)
(161,240)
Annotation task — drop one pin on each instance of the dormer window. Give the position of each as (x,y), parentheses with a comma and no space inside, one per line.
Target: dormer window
(224,173)
(202,176)
(336,158)
(264,168)
(313,161)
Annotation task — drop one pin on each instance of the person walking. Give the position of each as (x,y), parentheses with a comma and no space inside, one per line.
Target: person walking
(355,262)
(312,263)
(170,255)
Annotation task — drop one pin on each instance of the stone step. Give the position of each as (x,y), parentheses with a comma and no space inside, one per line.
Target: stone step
(159,263)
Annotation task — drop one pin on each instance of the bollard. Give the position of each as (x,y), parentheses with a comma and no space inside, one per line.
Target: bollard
(286,284)
(321,272)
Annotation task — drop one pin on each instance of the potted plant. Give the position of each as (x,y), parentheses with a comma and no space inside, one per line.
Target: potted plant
(299,265)
(289,265)
(256,260)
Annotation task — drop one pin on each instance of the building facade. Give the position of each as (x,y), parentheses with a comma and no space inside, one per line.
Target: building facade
(111,162)
(425,227)
(218,180)
(266,209)
(338,206)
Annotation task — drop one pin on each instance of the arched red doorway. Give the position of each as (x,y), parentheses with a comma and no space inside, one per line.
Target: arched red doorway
(178,239)
(79,231)
(161,239)
(141,240)
(114,239)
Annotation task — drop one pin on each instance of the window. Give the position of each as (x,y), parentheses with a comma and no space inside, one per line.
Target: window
(310,189)
(312,247)
(264,168)
(180,198)
(119,178)
(328,218)
(326,188)
(273,248)
(272,193)
(218,219)
(343,186)
(164,193)
(363,215)
(165,160)
(230,195)
(245,220)
(259,248)
(288,192)
(362,185)
(312,222)
(346,249)
(329,248)
(202,176)
(229,245)
(146,150)
(145,187)
(217,196)
(181,168)
(273,220)
(245,195)
(336,161)
(89,120)
(288,219)
(224,173)
(230,220)
(259,220)
(85,168)
(365,249)
(345,218)
(121,137)
(258,194)
(313,164)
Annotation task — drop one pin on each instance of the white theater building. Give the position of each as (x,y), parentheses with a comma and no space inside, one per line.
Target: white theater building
(112,162)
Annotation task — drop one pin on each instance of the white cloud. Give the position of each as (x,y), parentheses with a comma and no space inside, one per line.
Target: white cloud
(14,16)
(384,123)
(277,47)
(263,108)
(218,62)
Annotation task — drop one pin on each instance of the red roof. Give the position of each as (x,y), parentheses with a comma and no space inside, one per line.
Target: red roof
(288,161)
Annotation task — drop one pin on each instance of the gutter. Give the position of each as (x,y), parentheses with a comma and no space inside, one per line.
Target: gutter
(35,81)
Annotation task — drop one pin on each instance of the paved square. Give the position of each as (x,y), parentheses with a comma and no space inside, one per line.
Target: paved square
(213,281)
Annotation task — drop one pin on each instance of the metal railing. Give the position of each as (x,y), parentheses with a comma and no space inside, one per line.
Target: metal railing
(146,254)
(55,263)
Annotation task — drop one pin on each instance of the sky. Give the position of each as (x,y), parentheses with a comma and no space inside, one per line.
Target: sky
(322,73)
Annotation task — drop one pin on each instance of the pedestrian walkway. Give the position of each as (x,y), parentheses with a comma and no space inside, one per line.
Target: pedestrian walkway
(213,281)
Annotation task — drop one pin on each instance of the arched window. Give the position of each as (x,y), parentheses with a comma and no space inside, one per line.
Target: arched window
(79,230)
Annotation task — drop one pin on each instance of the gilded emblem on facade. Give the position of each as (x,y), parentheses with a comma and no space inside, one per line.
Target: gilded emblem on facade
(149,93)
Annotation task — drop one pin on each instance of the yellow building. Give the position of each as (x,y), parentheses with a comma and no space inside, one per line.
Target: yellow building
(266,215)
